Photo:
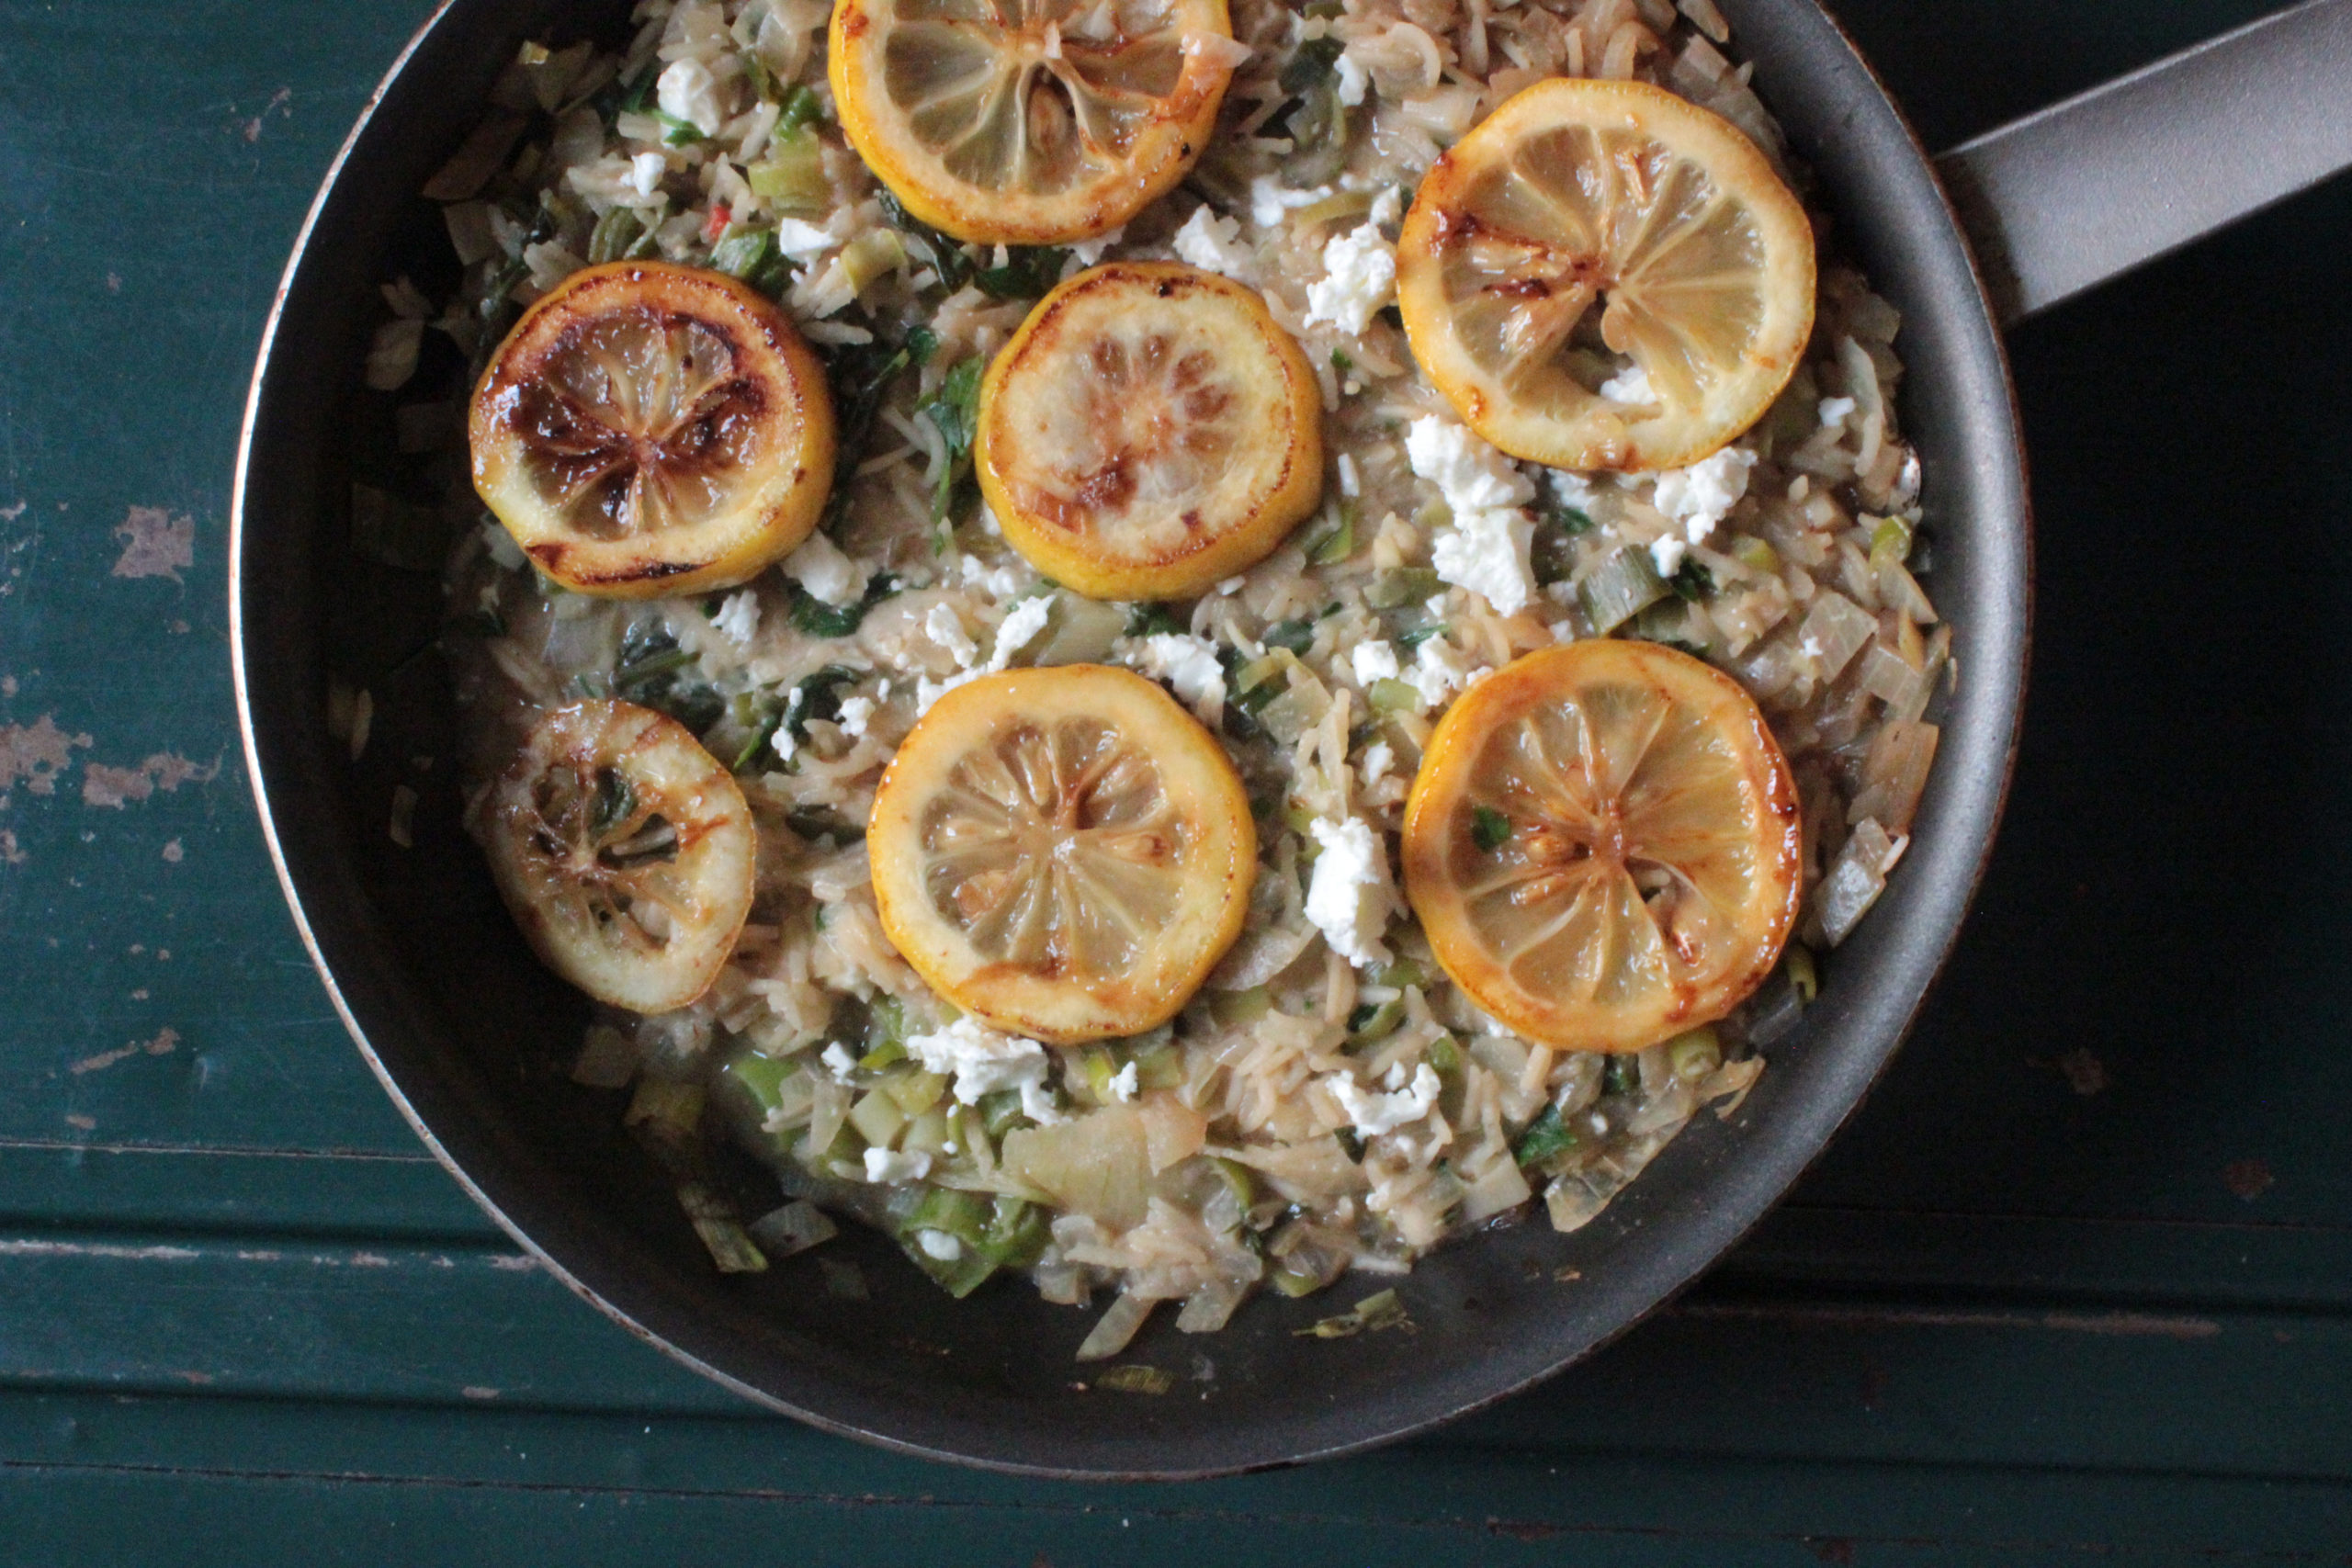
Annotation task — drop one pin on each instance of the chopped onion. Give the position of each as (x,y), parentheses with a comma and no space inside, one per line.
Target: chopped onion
(1114,1328)
(1206,1309)
(796,1227)
(1895,775)
(1886,676)
(1836,629)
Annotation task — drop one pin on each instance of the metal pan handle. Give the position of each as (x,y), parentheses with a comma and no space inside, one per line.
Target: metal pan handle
(2095,186)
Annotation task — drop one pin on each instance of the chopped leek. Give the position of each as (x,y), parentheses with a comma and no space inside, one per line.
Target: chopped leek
(1693,1056)
(1621,587)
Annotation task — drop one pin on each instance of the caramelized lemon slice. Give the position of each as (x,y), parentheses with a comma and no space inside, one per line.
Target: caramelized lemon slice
(1029,122)
(649,430)
(1148,431)
(1063,853)
(1602,845)
(1589,220)
(625,852)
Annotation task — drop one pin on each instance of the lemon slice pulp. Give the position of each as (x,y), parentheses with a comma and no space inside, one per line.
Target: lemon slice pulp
(1587,224)
(649,430)
(624,852)
(1148,431)
(1064,853)
(1602,845)
(1029,121)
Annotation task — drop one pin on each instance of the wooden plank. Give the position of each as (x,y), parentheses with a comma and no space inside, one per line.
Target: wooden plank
(96,1482)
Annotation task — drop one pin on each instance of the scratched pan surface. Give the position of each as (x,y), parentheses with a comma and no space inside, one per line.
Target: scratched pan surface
(470,1036)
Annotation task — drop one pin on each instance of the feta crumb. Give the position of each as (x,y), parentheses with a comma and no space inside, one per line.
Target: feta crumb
(645,172)
(838,1061)
(1440,670)
(738,617)
(939,1245)
(1350,899)
(887,1164)
(1269,200)
(1019,629)
(1473,474)
(1353,79)
(1388,207)
(1379,762)
(943,626)
(1835,409)
(1358,278)
(782,743)
(1630,386)
(856,713)
(802,242)
(1489,553)
(1123,1085)
(1374,1114)
(997,581)
(1213,244)
(982,1061)
(688,91)
(1698,497)
(1667,552)
(1190,664)
(1087,251)
(1372,662)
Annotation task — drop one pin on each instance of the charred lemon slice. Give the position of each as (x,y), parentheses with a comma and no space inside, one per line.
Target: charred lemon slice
(1029,121)
(1148,431)
(1587,224)
(1063,851)
(625,851)
(649,430)
(1602,845)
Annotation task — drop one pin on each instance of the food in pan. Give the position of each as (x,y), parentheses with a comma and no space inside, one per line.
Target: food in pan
(1344,625)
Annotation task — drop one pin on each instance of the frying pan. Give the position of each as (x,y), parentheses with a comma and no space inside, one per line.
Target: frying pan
(469,1036)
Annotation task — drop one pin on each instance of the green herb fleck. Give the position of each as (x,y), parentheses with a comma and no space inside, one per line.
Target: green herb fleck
(1296,635)
(816,617)
(1152,620)
(1028,271)
(1489,828)
(1546,1138)
(676,132)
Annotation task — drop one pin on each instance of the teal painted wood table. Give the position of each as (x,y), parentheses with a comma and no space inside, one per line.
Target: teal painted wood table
(2075,1285)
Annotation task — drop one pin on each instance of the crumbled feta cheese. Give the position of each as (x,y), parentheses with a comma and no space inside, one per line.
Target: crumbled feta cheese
(1353,79)
(983,1062)
(1379,762)
(1019,629)
(1572,489)
(1440,670)
(1122,1087)
(1489,553)
(1473,474)
(1350,899)
(999,582)
(1213,244)
(1630,386)
(738,617)
(943,626)
(856,714)
(1388,207)
(1087,251)
(1698,497)
(782,743)
(1358,278)
(838,1061)
(1190,664)
(645,172)
(802,242)
(1374,661)
(1349,484)
(1835,409)
(1374,1114)
(688,91)
(1667,552)
(1269,200)
(889,1165)
(1488,550)
(939,1245)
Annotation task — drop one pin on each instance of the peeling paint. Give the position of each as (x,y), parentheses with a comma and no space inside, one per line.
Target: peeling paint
(9,853)
(37,753)
(110,786)
(513,1262)
(163,1044)
(86,1123)
(24,1248)
(10,513)
(474,1390)
(156,543)
(173,852)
